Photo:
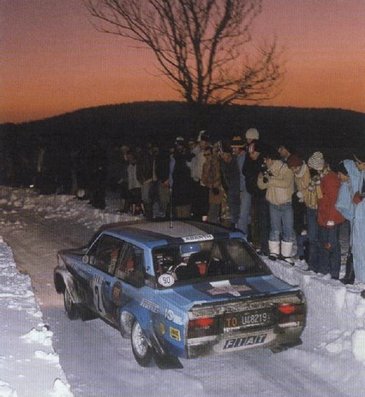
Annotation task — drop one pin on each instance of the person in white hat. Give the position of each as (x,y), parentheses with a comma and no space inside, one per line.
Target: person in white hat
(252,135)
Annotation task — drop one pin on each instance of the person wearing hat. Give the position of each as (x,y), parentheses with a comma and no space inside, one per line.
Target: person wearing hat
(356,173)
(238,150)
(328,217)
(252,135)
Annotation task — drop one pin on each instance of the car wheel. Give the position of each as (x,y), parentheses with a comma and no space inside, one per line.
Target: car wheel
(70,307)
(141,350)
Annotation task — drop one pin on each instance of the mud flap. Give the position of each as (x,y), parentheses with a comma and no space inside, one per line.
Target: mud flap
(286,346)
(166,361)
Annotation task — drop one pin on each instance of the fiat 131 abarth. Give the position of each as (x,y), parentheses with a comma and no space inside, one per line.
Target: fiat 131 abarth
(180,289)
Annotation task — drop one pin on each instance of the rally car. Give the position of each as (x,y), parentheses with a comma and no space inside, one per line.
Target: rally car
(180,289)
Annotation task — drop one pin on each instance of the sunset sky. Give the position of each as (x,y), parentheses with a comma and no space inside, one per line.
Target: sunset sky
(53,61)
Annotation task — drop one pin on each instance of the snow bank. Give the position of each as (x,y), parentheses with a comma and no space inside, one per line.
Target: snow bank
(333,308)
(32,368)
(59,206)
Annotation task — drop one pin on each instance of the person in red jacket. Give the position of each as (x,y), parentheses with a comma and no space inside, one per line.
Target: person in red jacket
(328,218)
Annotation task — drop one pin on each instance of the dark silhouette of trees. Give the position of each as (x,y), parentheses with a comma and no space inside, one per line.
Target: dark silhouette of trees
(204,47)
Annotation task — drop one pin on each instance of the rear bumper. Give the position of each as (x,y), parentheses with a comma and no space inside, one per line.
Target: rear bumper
(276,339)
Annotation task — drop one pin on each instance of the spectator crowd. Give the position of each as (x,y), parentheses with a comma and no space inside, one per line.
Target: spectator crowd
(285,206)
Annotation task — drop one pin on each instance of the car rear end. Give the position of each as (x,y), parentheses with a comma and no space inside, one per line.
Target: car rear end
(275,322)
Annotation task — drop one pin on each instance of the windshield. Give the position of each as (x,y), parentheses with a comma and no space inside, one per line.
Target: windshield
(205,260)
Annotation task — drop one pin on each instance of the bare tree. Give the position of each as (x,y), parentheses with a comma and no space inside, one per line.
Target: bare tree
(203,46)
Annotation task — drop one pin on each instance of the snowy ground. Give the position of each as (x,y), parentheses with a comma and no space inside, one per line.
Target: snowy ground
(29,365)
(331,361)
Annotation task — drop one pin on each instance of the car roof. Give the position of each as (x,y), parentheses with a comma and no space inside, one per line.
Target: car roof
(161,233)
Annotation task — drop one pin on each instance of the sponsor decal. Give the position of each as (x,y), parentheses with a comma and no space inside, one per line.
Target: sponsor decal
(171,316)
(175,334)
(225,287)
(151,306)
(97,288)
(245,341)
(166,280)
(198,237)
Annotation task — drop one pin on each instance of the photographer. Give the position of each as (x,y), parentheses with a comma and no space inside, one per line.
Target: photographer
(278,179)
(260,222)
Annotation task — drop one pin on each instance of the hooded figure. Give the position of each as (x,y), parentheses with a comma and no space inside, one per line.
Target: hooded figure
(356,172)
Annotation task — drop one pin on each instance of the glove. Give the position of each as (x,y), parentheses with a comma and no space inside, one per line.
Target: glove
(357,198)
(330,223)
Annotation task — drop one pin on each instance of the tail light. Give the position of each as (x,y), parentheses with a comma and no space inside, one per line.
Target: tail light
(203,326)
(290,314)
(289,308)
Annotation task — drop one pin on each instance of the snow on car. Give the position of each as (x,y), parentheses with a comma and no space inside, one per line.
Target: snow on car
(180,289)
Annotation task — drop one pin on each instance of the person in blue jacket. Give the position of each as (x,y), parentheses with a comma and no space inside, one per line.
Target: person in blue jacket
(346,207)
(356,172)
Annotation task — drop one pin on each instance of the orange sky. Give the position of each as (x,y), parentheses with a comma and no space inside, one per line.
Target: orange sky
(53,61)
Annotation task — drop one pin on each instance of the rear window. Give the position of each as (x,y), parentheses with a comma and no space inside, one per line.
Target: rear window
(206,260)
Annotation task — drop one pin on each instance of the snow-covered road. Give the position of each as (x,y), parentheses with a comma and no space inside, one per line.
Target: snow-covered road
(97,361)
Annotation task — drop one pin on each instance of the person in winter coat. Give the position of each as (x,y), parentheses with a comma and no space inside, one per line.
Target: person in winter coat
(345,206)
(278,179)
(328,218)
(182,184)
(200,193)
(302,179)
(260,222)
(239,152)
(356,171)
(211,178)
(231,182)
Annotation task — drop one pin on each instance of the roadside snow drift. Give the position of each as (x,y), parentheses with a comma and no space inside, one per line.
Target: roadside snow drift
(28,364)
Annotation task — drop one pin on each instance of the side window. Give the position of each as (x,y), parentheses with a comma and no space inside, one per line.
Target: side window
(130,265)
(105,253)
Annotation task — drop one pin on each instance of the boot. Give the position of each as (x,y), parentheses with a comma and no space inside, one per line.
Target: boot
(350,274)
(287,251)
(274,248)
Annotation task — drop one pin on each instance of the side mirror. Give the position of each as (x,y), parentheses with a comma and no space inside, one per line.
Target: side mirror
(88,259)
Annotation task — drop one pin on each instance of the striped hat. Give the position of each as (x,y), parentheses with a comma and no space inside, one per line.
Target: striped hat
(316,161)
(237,142)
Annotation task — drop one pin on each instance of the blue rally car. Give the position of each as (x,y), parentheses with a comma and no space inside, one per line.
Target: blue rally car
(180,289)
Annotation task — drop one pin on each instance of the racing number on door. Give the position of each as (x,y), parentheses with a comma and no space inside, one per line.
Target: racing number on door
(96,286)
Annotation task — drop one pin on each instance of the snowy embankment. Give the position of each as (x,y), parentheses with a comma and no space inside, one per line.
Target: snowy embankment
(331,306)
(336,313)
(27,359)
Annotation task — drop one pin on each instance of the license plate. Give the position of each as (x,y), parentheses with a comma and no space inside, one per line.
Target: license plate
(247,319)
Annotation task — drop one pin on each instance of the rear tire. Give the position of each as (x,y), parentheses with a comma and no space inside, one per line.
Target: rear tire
(141,350)
(70,307)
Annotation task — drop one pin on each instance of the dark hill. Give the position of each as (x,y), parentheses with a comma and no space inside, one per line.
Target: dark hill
(336,132)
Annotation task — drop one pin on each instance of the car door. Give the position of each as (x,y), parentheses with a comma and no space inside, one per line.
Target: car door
(103,257)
